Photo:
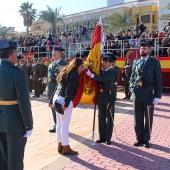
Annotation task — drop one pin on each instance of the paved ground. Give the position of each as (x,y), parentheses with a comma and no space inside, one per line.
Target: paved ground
(41,150)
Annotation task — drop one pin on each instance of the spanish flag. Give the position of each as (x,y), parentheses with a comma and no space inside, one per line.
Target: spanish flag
(88,87)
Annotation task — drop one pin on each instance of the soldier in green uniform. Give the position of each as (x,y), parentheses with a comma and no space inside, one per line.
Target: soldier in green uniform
(117,76)
(146,85)
(53,70)
(37,78)
(22,65)
(30,75)
(16,122)
(106,99)
(126,73)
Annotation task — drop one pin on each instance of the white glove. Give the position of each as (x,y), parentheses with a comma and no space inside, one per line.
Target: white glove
(30,77)
(131,89)
(89,73)
(156,100)
(45,80)
(123,79)
(115,83)
(28,133)
(39,79)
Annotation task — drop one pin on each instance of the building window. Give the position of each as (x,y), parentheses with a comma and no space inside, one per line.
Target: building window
(145,18)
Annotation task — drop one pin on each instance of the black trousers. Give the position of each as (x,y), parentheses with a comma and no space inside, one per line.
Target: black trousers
(105,122)
(12,147)
(142,121)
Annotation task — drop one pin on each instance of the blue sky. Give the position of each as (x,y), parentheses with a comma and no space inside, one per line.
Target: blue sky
(9,15)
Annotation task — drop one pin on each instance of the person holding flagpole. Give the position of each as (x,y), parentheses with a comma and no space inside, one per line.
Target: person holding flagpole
(106,98)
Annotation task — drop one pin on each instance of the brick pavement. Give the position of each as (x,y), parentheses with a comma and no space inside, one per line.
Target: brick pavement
(122,155)
(41,149)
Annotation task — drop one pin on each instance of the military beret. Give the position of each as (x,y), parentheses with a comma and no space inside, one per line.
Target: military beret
(109,57)
(58,49)
(7,44)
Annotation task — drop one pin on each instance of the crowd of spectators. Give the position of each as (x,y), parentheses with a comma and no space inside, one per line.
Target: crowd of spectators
(130,39)
(118,44)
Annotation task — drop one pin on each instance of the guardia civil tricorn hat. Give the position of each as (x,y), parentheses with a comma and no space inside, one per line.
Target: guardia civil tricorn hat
(4,44)
(109,57)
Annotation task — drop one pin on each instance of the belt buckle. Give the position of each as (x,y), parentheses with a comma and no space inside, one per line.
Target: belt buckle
(140,83)
(101,90)
(49,80)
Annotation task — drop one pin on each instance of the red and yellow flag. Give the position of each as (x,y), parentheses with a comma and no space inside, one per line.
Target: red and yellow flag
(88,87)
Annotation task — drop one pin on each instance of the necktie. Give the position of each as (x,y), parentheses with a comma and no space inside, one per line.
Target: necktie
(142,64)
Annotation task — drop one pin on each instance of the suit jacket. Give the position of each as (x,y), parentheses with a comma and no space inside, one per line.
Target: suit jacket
(53,71)
(106,82)
(14,86)
(151,75)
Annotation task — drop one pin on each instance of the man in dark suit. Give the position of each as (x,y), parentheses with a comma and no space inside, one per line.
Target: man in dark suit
(117,76)
(16,122)
(146,85)
(106,99)
(53,70)
(126,73)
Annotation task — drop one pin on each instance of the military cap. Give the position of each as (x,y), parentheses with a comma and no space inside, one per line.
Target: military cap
(58,49)
(109,57)
(146,43)
(7,44)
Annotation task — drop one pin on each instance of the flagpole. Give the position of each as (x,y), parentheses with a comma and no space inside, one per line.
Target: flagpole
(94,118)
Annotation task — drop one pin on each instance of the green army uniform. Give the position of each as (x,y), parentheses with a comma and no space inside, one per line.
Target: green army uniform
(15,114)
(146,80)
(37,79)
(53,71)
(126,73)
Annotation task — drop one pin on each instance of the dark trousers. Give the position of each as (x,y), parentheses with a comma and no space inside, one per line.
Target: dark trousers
(127,90)
(115,90)
(141,127)
(12,147)
(30,84)
(37,87)
(105,122)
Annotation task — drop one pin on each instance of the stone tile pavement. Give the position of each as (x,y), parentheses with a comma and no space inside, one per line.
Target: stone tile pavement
(41,150)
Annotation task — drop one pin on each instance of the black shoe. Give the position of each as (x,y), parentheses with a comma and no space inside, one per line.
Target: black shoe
(146,144)
(128,98)
(37,96)
(125,98)
(100,141)
(138,143)
(52,130)
(108,142)
(34,96)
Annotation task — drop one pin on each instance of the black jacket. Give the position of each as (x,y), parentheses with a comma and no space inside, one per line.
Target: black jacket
(68,88)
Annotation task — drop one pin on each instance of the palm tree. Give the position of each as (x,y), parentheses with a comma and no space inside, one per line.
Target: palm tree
(52,16)
(119,20)
(28,14)
(166,16)
(4,32)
